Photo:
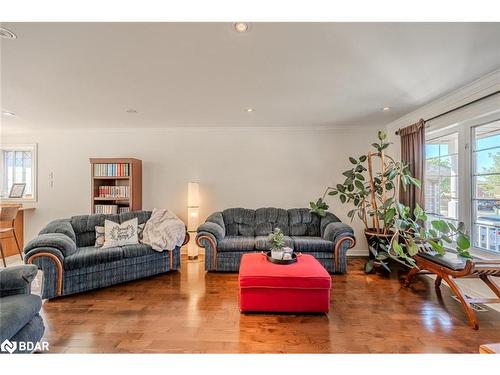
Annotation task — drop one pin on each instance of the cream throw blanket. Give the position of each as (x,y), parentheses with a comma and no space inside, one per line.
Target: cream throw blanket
(164,230)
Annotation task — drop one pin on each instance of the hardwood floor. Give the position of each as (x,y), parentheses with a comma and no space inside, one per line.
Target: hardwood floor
(195,312)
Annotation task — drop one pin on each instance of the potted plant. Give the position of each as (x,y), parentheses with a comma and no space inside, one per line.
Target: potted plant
(277,241)
(391,230)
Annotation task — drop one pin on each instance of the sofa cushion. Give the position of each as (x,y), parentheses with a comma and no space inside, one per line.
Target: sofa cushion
(84,226)
(239,222)
(236,243)
(142,216)
(137,250)
(307,244)
(262,243)
(16,312)
(90,256)
(266,219)
(60,226)
(303,223)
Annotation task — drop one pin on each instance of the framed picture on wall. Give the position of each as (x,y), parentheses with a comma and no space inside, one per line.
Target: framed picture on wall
(17,190)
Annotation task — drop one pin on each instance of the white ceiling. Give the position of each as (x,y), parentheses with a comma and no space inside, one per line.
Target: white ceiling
(86,75)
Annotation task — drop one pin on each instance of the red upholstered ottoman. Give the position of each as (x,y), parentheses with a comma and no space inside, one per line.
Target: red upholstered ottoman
(303,286)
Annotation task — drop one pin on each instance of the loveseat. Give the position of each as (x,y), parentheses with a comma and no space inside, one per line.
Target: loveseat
(229,234)
(64,250)
(20,321)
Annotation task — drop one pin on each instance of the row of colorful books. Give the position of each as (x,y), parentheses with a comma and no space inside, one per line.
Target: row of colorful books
(111,170)
(110,209)
(114,192)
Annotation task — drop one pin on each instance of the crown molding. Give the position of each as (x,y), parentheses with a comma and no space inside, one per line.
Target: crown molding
(470,92)
(168,130)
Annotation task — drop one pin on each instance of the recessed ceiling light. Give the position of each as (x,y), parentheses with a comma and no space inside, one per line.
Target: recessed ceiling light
(7,34)
(249,110)
(9,114)
(131,111)
(241,27)
(385,109)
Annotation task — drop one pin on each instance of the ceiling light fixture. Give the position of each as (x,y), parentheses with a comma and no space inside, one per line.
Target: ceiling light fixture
(7,34)
(249,110)
(241,27)
(131,111)
(9,114)
(385,109)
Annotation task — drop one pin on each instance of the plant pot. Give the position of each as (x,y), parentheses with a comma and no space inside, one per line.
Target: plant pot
(375,239)
(377,257)
(277,254)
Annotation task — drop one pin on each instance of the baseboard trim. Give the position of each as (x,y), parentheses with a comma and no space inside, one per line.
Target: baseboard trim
(357,253)
(350,253)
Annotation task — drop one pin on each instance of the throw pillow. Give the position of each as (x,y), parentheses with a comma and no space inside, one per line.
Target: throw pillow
(99,234)
(140,231)
(120,234)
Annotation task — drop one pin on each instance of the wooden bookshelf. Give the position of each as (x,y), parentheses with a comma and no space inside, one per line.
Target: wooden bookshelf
(124,173)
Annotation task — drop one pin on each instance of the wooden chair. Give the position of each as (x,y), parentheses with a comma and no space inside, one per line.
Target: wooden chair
(449,267)
(8,215)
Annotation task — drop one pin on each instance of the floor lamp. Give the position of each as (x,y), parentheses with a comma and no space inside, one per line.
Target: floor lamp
(193,218)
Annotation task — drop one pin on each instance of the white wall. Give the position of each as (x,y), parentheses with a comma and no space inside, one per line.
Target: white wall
(235,167)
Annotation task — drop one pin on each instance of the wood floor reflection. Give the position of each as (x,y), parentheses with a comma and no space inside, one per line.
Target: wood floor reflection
(195,312)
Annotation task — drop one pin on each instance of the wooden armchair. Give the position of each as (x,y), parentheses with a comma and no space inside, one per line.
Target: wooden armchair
(449,267)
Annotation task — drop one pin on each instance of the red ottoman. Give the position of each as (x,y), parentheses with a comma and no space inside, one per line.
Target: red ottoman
(303,286)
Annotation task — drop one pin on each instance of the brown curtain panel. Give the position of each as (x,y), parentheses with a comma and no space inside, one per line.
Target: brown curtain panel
(412,152)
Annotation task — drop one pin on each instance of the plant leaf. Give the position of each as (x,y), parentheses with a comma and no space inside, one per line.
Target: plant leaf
(369,266)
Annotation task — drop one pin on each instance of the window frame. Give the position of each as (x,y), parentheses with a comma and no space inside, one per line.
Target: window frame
(465,131)
(30,147)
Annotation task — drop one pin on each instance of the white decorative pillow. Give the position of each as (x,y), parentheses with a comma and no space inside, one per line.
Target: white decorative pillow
(120,234)
(99,234)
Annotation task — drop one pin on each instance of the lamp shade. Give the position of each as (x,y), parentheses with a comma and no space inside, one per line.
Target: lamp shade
(193,194)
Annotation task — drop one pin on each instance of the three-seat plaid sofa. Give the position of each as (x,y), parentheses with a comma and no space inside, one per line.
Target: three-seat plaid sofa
(64,250)
(229,234)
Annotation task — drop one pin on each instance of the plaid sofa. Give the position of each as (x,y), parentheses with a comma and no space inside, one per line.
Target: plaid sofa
(229,234)
(64,250)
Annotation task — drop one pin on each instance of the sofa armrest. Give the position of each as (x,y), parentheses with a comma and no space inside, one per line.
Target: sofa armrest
(336,230)
(50,260)
(58,241)
(62,226)
(212,228)
(17,279)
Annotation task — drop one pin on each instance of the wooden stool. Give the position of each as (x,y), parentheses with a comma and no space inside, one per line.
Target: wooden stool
(449,266)
(8,214)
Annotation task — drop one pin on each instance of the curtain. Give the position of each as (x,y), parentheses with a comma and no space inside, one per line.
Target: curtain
(412,152)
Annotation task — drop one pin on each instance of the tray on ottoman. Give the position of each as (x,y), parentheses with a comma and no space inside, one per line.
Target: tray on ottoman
(303,286)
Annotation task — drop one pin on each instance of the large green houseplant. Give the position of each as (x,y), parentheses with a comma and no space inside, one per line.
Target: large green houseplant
(392,231)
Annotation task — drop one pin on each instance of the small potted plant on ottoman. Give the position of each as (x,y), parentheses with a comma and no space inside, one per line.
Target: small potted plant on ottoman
(277,241)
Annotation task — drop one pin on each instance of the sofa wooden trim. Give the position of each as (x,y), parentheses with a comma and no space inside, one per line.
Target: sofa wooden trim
(214,248)
(336,251)
(59,268)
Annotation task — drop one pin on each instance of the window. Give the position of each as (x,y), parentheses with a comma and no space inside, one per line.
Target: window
(486,186)
(441,178)
(462,178)
(18,165)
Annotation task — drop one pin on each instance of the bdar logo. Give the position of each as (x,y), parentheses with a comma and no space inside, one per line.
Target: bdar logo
(8,346)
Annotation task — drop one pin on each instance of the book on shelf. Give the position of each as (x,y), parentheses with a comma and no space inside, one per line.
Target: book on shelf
(110,209)
(106,209)
(111,170)
(114,192)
